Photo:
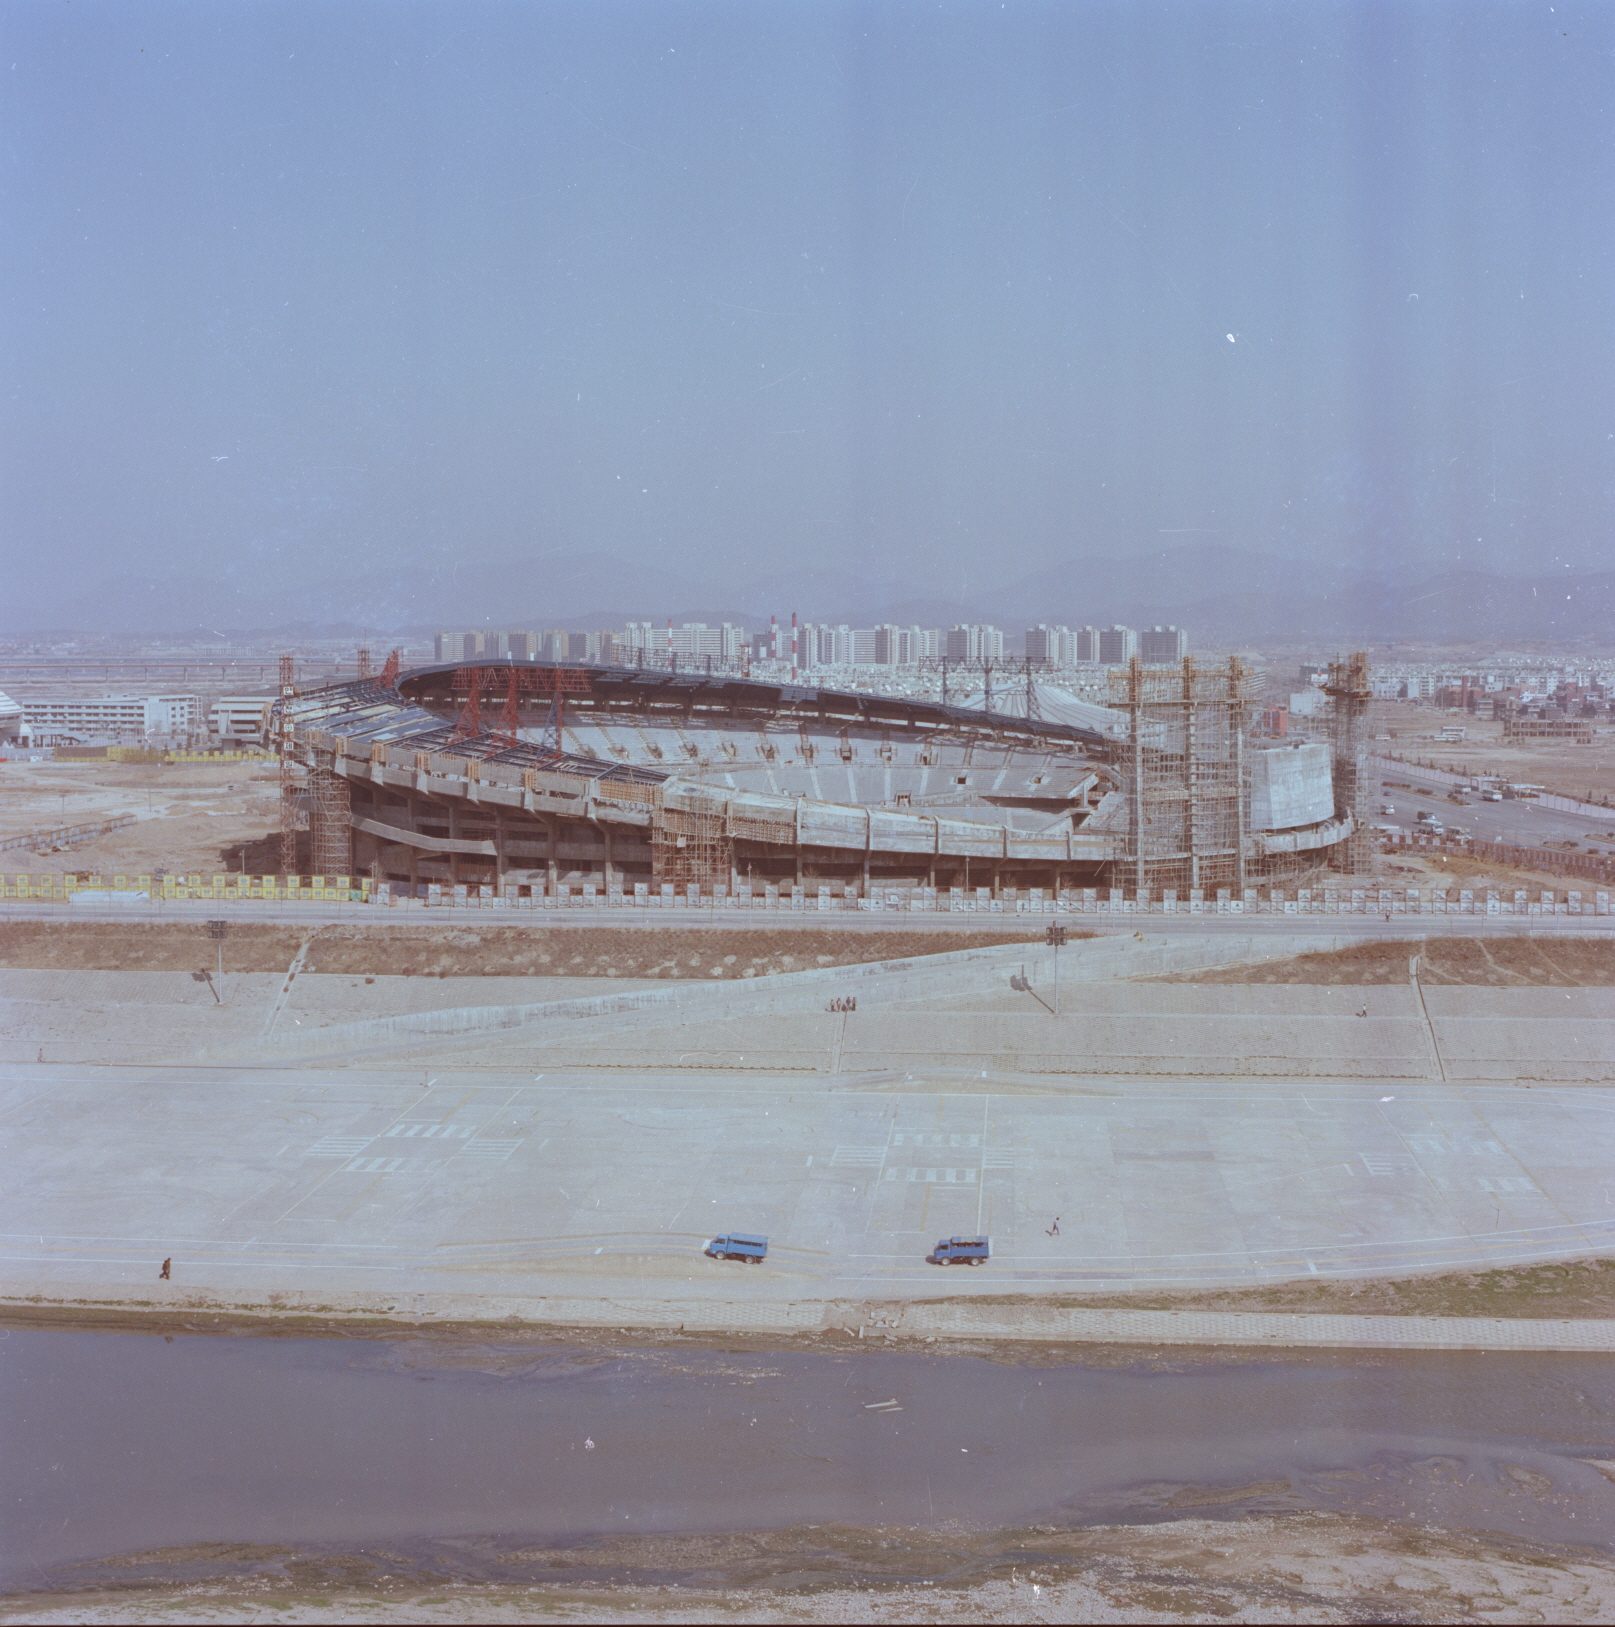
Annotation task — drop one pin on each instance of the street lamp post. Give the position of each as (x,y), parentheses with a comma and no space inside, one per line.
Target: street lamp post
(219,931)
(1055,937)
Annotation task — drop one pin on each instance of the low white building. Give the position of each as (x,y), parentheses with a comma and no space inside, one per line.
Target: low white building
(240,717)
(120,717)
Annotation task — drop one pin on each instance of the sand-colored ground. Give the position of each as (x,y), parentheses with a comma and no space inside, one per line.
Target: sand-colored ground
(420,950)
(191,818)
(1583,963)
(1410,868)
(1286,1567)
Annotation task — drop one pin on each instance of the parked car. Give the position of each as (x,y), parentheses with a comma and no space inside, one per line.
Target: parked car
(962,1251)
(738,1246)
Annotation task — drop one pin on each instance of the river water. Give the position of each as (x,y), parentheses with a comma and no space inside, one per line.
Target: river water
(457,1456)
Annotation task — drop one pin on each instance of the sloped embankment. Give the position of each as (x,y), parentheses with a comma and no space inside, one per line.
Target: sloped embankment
(421,950)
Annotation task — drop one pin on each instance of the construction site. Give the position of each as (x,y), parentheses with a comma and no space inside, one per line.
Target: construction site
(532,779)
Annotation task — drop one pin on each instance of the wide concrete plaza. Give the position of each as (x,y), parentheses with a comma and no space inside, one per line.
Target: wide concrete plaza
(413,1190)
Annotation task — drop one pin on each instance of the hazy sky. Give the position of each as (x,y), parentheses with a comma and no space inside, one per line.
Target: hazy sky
(917,293)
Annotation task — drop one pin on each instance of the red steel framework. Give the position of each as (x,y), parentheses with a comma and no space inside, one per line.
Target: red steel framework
(473,682)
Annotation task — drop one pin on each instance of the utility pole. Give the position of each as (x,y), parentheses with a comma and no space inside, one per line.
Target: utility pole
(219,931)
(1055,937)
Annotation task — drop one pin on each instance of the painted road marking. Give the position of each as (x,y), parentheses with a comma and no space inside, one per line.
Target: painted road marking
(1505,1183)
(1387,1163)
(483,1148)
(373,1166)
(861,1157)
(338,1146)
(912,1138)
(421,1128)
(934,1177)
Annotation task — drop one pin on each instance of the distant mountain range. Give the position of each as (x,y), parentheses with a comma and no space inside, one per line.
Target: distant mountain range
(1221,595)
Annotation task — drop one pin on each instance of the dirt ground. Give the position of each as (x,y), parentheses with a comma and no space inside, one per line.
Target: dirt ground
(461,951)
(1573,1289)
(1579,963)
(191,818)
(1565,769)
(1409,868)
(1266,1567)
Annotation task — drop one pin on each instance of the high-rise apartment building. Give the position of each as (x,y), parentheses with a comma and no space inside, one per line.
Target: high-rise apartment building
(1161,646)
(903,646)
(654,641)
(1052,646)
(1117,644)
(974,643)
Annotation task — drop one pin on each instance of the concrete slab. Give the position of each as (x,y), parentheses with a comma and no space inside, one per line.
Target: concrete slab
(152,1016)
(412,1194)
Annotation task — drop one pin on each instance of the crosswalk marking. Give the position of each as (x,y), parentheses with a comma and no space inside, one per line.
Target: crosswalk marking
(1388,1163)
(373,1166)
(934,1177)
(338,1146)
(482,1148)
(420,1127)
(923,1138)
(859,1157)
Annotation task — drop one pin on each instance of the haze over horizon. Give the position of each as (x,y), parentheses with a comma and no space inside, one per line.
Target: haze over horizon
(404,312)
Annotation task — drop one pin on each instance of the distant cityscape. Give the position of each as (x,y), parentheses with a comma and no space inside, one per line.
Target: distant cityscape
(812,646)
(219,693)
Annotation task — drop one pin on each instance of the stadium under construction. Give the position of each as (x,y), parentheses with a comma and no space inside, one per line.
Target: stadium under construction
(538,779)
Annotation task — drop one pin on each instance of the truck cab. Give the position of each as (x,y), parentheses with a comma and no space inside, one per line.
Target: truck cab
(962,1251)
(738,1246)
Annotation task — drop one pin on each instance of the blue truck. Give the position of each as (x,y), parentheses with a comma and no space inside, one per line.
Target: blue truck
(962,1251)
(738,1246)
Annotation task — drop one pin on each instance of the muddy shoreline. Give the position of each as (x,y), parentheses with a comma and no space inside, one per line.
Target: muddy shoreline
(1301,1567)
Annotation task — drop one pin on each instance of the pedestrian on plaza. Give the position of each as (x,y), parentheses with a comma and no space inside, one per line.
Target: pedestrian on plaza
(1054,1230)
(163,1275)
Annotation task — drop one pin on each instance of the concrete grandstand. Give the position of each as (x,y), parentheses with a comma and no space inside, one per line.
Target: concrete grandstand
(530,776)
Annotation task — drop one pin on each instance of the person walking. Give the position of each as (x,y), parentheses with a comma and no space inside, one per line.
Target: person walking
(164,1274)
(1054,1230)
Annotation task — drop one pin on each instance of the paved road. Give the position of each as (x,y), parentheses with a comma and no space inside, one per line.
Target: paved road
(195,912)
(400,1189)
(1526,824)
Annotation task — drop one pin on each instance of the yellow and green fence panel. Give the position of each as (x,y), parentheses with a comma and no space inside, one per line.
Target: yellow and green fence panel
(235,889)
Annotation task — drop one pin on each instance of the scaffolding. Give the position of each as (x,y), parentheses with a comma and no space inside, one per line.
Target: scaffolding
(1350,693)
(291,813)
(330,823)
(1185,778)
(692,846)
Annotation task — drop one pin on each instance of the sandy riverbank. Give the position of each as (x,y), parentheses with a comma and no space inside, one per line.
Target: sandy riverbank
(1303,1567)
